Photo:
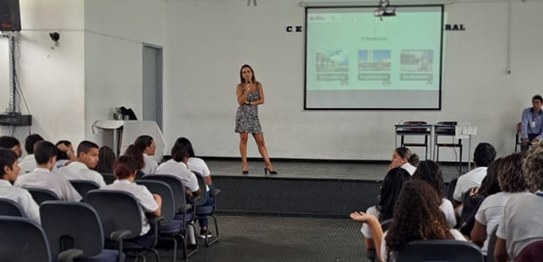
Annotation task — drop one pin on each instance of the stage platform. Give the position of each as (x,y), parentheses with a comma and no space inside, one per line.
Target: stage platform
(302,187)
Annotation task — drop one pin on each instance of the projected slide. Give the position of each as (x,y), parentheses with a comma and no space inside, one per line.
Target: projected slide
(355,60)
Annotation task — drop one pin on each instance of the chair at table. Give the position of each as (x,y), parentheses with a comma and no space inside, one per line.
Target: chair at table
(84,186)
(41,195)
(440,250)
(447,131)
(119,210)
(9,207)
(76,224)
(415,128)
(23,240)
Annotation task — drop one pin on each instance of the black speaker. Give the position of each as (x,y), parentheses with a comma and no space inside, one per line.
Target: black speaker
(10,15)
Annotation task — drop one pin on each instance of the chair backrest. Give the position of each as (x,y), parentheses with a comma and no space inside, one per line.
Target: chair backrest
(440,250)
(178,189)
(203,193)
(41,195)
(450,189)
(84,186)
(9,207)
(22,240)
(531,252)
(72,225)
(108,178)
(445,128)
(117,210)
(491,245)
(165,192)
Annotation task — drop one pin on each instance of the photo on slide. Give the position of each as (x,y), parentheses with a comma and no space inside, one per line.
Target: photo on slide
(416,60)
(332,65)
(374,60)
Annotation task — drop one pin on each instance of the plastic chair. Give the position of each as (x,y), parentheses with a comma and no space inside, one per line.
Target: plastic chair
(203,208)
(84,186)
(182,209)
(119,210)
(76,224)
(491,245)
(415,128)
(9,207)
(169,229)
(440,250)
(450,189)
(447,129)
(23,241)
(531,252)
(41,195)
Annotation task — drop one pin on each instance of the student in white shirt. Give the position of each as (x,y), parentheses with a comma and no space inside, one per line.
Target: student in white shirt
(8,174)
(125,169)
(416,217)
(81,169)
(29,162)
(177,166)
(65,154)
(143,148)
(404,158)
(430,172)
(12,144)
(42,177)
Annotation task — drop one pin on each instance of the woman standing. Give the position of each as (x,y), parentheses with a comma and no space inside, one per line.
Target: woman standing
(250,94)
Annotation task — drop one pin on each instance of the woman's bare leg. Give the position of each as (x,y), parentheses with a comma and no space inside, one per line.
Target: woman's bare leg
(243,137)
(259,138)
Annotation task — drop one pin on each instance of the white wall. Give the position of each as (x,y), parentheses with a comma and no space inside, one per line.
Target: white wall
(51,77)
(209,40)
(114,35)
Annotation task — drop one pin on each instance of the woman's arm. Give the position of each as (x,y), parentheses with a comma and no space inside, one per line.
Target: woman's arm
(373,224)
(500,254)
(242,96)
(260,101)
(158,200)
(478,233)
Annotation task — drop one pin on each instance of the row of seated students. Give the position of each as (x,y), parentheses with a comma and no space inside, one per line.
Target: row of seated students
(46,172)
(502,196)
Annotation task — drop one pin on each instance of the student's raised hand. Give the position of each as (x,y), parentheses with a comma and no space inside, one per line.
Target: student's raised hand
(362,217)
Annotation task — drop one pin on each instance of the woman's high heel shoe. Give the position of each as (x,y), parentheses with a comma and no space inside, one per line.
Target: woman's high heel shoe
(272,172)
(245,172)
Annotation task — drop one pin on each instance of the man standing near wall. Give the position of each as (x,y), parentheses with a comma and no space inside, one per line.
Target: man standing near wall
(531,123)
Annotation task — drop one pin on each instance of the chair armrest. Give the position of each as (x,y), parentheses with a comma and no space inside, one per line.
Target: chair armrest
(215,192)
(69,255)
(185,208)
(119,235)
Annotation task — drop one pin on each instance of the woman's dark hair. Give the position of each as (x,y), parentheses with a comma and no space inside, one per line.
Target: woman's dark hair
(185,141)
(135,153)
(406,153)
(416,216)
(124,167)
(106,159)
(390,190)
(430,172)
(253,79)
(510,174)
(62,155)
(7,158)
(490,185)
(179,152)
(31,141)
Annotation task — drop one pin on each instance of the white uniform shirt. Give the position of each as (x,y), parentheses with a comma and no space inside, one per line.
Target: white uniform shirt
(409,168)
(143,196)
(21,197)
(448,210)
(384,254)
(179,169)
(521,222)
(27,164)
(43,178)
(198,165)
(150,165)
(79,171)
(468,180)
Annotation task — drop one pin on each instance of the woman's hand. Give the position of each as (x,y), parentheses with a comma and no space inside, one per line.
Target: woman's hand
(396,163)
(362,217)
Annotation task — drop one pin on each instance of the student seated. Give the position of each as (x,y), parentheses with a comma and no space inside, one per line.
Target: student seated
(430,172)
(12,144)
(521,222)
(81,169)
(416,217)
(390,190)
(125,169)
(8,174)
(29,162)
(404,158)
(41,177)
(177,166)
(106,159)
(65,153)
(143,148)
